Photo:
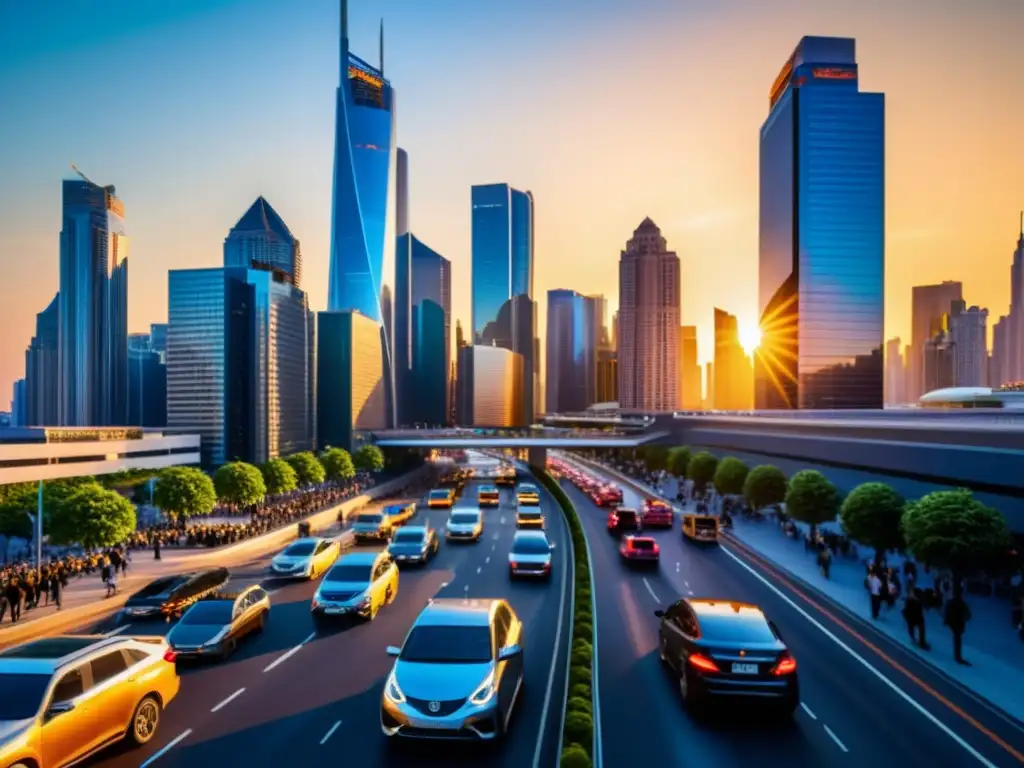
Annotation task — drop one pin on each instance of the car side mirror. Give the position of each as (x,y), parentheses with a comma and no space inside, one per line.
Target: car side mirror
(660,614)
(59,708)
(393,650)
(509,651)
(552,545)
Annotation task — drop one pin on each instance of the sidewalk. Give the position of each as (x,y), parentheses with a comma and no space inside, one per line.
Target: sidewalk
(991,644)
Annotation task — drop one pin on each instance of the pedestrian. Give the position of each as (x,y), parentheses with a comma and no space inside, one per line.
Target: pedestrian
(825,560)
(56,591)
(15,597)
(956,618)
(156,549)
(874,585)
(913,614)
(112,582)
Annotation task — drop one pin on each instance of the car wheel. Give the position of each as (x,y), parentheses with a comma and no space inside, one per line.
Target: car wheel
(145,721)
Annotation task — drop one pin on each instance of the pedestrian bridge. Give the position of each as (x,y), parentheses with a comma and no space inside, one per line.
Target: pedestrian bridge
(461,438)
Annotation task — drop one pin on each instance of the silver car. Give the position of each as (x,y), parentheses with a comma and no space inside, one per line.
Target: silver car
(464,525)
(458,675)
(530,555)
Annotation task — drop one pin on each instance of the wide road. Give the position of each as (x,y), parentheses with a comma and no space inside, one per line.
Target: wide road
(865,700)
(292,697)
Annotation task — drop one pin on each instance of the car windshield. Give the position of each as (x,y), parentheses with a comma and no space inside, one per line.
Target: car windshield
(439,494)
(627,516)
(359,574)
(527,489)
(161,586)
(704,524)
(465,518)
(372,519)
(301,549)
(408,537)
(735,629)
(643,544)
(212,613)
(448,645)
(23,695)
(531,545)
(529,513)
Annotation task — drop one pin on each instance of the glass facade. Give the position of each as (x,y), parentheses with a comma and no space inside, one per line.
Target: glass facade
(42,385)
(490,381)
(572,340)
(147,383)
(822,235)
(93,308)
(261,240)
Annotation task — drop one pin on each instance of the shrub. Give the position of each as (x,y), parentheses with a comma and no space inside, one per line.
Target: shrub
(575,756)
(580,691)
(583,629)
(582,655)
(579,674)
(580,704)
(579,728)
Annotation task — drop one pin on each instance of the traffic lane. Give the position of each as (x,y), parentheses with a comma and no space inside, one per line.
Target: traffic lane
(641,714)
(331,692)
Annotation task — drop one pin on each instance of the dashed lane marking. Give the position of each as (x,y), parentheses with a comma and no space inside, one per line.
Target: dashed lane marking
(167,748)
(288,654)
(330,733)
(807,709)
(835,739)
(487,559)
(479,568)
(651,590)
(228,700)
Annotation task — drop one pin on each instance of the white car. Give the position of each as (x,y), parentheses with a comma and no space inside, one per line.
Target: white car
(464,525)
(306,558)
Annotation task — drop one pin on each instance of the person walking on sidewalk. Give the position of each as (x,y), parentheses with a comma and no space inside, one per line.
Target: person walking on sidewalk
(15,597)
(874,585)
(56,591)
(825,559)
(156,549)
(956,618)
(913,614)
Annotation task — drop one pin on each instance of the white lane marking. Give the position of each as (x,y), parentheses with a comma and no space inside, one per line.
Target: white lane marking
(169,746)
(487,560)
(228,700)
(479,568)
(466,590)
(651,590)
(501,519)
(493,547)
(330,733)
(687,584)
(835,738)
(808,711)
(283,658)
(677,567)
(494,537)
(118,631)
(443,585)
(689,592)
(865,663)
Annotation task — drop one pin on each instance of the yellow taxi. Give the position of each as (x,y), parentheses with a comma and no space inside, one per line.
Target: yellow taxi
(488,496)
(399,514)
(357,586)
(528,494)
(529,517)
(441,497)
(66,698)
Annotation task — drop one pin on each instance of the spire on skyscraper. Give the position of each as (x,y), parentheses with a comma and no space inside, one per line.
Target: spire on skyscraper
(382,47)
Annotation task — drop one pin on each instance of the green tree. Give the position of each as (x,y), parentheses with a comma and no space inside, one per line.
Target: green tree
(239,484)
(730,476)
(677,461)
(370,458)
(873,515)
(701,469)
(23,498)
(308,469)
(184,492)
(338,464)
(14,521)
(279,477)
(93,517)
(765,485)
(955,531)
(655,457)
(812,499)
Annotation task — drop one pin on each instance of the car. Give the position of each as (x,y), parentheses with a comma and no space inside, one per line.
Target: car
(606,496)
(454,483)
(464,525)
(306,558)
(657,514)
(399,514)
(371,527)
(171,595)
(488,496)
(212,627)
(414,544)
(357,586)
(530,555)
(506,476)
(721,650)
(458,675)
(529,517)
(65,698)
(441,497)
(527,494)
(623,520)
(639,550)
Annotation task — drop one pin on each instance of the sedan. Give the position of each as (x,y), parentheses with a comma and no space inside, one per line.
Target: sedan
(657,514)
(212,627)
(414,545)
(530,555)
(465,525)
(306,558)
(170,595)
(441,497)
(639,550)
(722,650)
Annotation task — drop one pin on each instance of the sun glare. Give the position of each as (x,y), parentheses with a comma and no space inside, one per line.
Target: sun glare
(750,338)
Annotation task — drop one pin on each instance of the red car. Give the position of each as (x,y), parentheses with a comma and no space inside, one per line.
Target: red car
(639,550)
(658,514)
(607,496)
(622,521)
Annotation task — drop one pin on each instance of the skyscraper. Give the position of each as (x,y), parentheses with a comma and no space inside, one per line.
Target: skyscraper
(261,240)
(822,234)
(929,303)
(93,307)
(504,313)
(689,369)
(1015,332)
(648,322)
(147,380)
(490,384)
(572,338)
(733,384)
(968,330)
(895,373)
(42,363)
(999,362)
(364,144)
(19,411)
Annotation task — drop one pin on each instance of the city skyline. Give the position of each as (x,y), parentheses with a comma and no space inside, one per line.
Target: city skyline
(980,226)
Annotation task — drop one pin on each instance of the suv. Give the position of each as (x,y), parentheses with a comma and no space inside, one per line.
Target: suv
(623,520)
(358,585)
(66,698)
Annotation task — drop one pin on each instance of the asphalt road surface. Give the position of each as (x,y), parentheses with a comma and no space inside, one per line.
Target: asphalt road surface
(293,697)
(865,700)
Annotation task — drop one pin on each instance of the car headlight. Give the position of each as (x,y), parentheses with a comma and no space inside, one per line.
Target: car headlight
(364,602)
(392,691)
(485,692)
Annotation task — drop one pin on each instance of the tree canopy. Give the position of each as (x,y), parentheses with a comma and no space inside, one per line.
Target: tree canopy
(370,458)
(765,485)
(701,469)
(93,517)
(677,461)
(338,464)
(873,515)
(811,498)
(279,477)
(654,457)
(239,484)
(185,492)
(730,476)
(308,469)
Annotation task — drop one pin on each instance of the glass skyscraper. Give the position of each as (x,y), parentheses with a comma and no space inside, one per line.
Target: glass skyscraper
(261,240)
(42,382)
(572,340)
(822,235)
(147,378)
(93,308)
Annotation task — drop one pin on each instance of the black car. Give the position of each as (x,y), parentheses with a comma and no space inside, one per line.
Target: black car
(170,595)
(723,650)
(212,627)
(414,544)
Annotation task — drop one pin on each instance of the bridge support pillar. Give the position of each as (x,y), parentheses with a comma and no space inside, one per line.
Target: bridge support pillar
(537,456)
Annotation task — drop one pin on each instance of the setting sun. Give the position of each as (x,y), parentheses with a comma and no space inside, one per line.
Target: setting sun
(750,338)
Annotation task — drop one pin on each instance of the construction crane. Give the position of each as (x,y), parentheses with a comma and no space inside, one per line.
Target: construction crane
(109,187)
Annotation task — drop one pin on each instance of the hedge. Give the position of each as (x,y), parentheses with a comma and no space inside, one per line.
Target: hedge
(578,727)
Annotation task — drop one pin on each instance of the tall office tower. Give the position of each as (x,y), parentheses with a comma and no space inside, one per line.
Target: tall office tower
(689,369)
(603,335)
(422,335)
(939,360)
(42,385)
(147,380)
(387,330)
(504,312)
(490,385)
(733,385)
(709,386)
(460,337)
(895,378)
(648,327)
(929,303)
(822,234)
(615,330)
(1015,331)
(350,374)
(93,308)
(261,240)
(238,363)
(606,388)
(998,370)
(572,337)
(968,329)
(19,405)
(363,149)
